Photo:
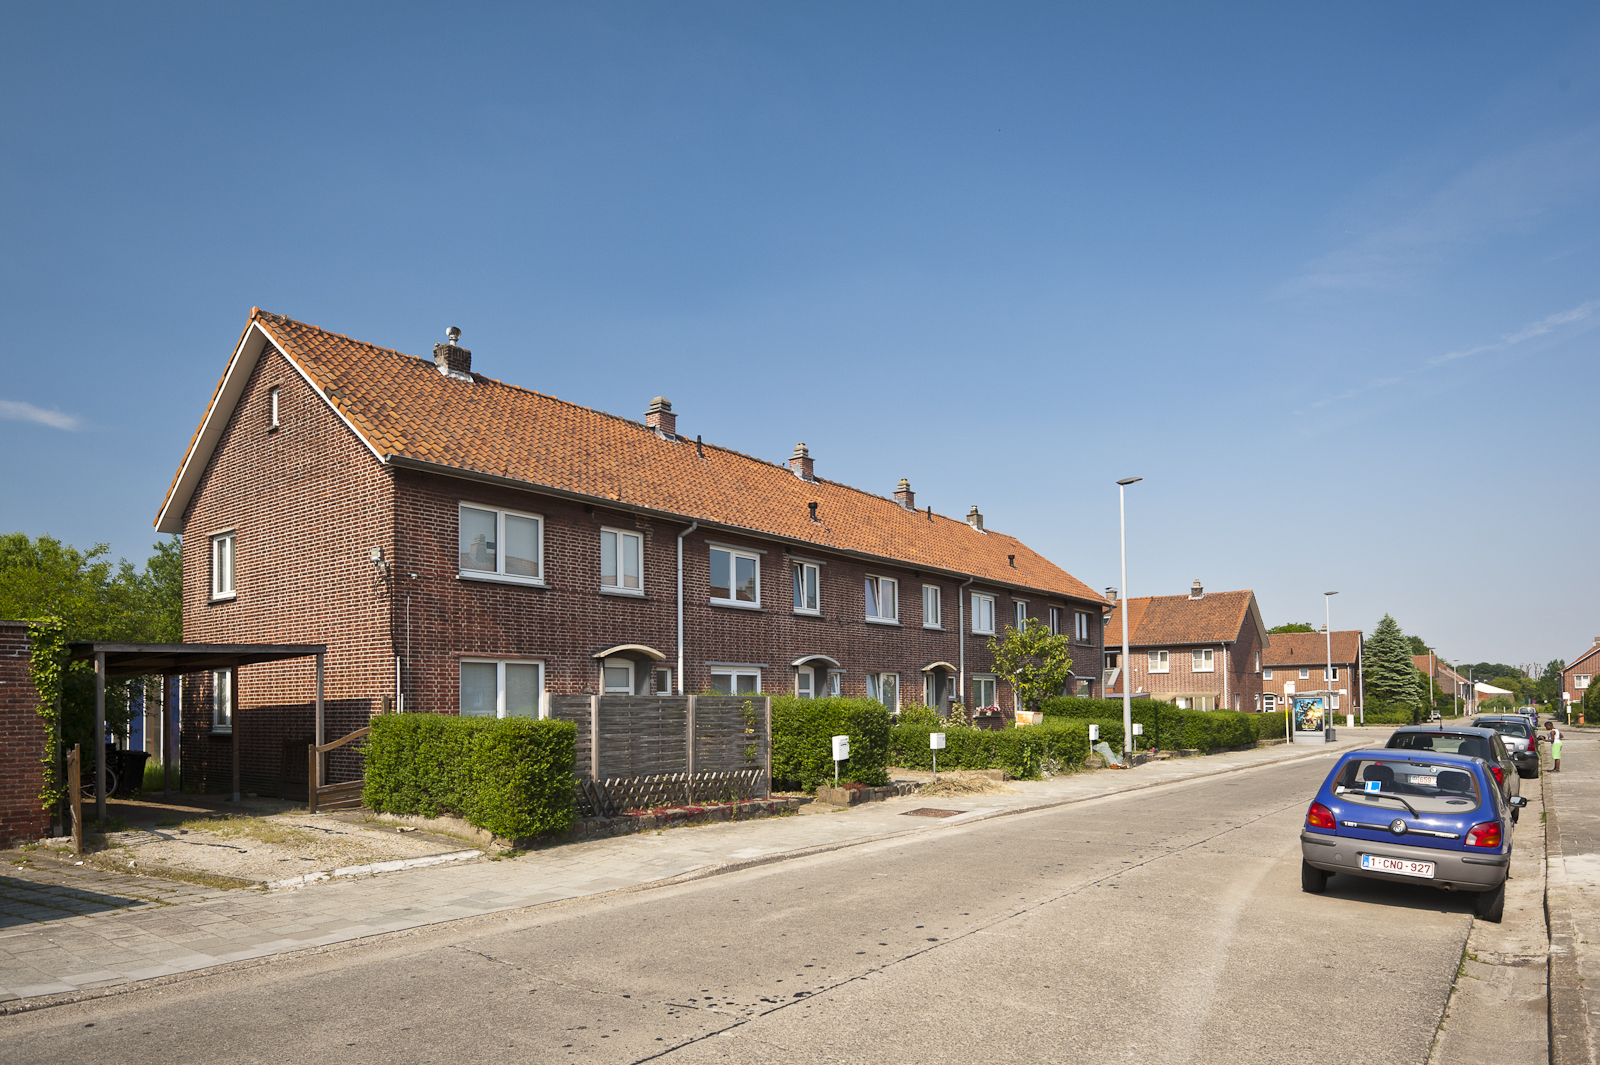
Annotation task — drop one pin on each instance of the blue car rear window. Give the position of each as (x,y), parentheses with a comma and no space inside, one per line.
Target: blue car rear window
(1427,786)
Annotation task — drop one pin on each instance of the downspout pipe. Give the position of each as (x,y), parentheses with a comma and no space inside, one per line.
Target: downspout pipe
(681,535)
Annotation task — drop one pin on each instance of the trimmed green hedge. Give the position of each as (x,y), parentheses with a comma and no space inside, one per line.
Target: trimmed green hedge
(802,741)
(511,776)
(1169,728)
(1016,750)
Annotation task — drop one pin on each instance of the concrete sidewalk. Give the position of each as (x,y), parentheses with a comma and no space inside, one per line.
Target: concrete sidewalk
(126,929)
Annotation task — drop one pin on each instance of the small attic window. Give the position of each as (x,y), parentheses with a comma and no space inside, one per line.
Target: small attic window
(272,409)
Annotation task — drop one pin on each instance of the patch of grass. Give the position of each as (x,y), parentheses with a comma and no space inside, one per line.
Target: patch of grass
(155,777)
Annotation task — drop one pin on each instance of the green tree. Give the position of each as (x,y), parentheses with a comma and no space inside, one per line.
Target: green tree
(1293,626)
(1417,646)
(1387,668)
(1036,663)
(1591,702)
(1547,689)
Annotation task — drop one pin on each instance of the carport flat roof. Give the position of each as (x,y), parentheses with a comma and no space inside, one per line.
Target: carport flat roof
(168,659)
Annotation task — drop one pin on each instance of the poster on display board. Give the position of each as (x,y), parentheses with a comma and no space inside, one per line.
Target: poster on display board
(1308,713)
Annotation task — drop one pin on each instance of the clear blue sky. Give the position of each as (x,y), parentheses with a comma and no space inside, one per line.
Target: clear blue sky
(1326,276)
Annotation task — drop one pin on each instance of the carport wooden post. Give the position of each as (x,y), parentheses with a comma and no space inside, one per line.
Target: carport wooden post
(236,720)
(100,736)
(166,743)
(321,739)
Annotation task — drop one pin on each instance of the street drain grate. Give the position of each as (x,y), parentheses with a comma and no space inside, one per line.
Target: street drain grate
(928,811)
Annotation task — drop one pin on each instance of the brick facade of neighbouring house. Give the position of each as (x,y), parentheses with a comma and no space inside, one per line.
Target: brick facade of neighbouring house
(1579,674)
(23,736)
(310,500)
(1293,653)
(1185,634)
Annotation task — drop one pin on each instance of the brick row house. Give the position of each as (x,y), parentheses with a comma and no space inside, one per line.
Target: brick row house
(467,546)
(1446,681)
(1201,651)
(1297,662)
(1577,676)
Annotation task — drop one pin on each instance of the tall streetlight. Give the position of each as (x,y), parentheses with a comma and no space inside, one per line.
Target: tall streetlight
(1327,628)
(1127,664)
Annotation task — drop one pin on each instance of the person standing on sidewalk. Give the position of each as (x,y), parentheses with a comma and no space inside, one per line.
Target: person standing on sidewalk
(1555,745)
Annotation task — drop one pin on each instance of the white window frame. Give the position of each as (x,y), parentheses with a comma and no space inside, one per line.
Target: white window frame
(986,601)
(1266,674)
(222,700)
(1158,662)
(1335,676)
(1055,621)
(1305,673)
(622,535)
(661,680)
(806,578)
(932,607)
(835,683)
(499,574)
(989,680)
(272,408)
(891,600)
(1269,702)
(1258,662)
(224,565)
(875,684)
(1019,615)
(734,554)
(618,662)
(1203,660)
(500,665)
(1083,626)
(1580,681)
(733,673)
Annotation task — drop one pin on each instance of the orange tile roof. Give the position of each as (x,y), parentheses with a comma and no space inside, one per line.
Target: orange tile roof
(1155,620)
(1296,649)
(407,411)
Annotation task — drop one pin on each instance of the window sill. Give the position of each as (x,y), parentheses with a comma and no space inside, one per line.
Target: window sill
(228,598)
(983,632)
(883,621)
(732,604)
(500,578)
(228,731)
(808,613)
(934,628)
(622,593)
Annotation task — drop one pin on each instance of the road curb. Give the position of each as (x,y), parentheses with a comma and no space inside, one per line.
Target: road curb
(1568,1018)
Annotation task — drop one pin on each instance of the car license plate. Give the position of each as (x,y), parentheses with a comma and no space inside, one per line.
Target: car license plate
(1379,864)
(1426,781)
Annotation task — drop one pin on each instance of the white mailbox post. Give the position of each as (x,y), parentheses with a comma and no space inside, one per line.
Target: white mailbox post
(1138,730)
(935,744)
(841,753)
(1094,733)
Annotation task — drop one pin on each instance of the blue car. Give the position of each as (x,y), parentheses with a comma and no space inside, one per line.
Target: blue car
(1413,817)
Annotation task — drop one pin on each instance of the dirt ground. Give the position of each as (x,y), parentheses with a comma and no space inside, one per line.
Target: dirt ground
(256,841)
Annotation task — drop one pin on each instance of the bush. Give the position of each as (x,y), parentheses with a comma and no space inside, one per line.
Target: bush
(1016,750)
(512,776)
(1166,726)
(802,741)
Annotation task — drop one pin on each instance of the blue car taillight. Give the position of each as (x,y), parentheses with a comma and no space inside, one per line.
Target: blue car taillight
(1488,834)
(1319,816)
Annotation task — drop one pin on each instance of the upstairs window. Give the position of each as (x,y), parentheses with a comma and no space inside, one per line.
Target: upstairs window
(735,579)
(1305,674)
(1330,674)
(883,599)
(1055,621)
(1266,674)
(1581,680)
(222,546)
(983,616)
(1019,615)
(272,408)
(806,578)
(1160,662)
(500,545)
(620,561)
(1081,629)
(1204,661)
(932,617)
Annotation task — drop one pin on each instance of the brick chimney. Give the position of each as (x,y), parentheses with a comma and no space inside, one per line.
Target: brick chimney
(975,519)
(660,417)
(1195,591)
(451,359)
(904,495)
(800,462)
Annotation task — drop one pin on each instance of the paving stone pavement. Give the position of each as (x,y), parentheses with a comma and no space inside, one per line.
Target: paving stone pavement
(62,937)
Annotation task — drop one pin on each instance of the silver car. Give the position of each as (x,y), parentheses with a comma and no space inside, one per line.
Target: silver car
(1519,736)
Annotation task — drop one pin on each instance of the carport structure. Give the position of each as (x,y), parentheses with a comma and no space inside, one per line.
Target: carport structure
(168,660)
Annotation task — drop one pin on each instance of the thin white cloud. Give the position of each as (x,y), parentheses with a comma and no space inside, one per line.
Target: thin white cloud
(17,411)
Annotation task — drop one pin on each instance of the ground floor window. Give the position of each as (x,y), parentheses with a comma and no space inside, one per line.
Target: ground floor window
(222,700)
(983,693)
(884,687)
(499,688)
(1196,702)
(663,681)
(733,681)
(833,686)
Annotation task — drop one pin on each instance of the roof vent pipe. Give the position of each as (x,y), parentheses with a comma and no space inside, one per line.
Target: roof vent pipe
(452,359)
(800,462)
(813,507)
(975,519)
(904,496)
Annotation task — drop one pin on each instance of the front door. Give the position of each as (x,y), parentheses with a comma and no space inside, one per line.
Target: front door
(616,675)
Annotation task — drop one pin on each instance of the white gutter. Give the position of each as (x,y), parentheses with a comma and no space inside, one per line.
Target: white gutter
(681,535)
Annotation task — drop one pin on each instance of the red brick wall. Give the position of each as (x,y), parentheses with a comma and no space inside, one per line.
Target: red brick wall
(1234,681)
(22,736)
(1587,666)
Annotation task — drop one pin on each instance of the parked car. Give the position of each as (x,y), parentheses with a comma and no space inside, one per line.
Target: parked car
(1520,737)
(1412,817)
(1482,743)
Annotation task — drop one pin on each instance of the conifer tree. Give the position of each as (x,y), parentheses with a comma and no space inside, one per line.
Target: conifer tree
(1386,666)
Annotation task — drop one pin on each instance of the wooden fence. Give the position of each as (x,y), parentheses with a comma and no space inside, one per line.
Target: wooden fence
(634,752)
(320,796)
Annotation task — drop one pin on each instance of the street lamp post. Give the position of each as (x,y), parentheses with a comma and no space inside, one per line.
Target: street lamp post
(1327,628)
(1127,664)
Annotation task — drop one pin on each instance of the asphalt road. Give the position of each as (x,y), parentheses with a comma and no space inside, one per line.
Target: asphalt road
(1163,926)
